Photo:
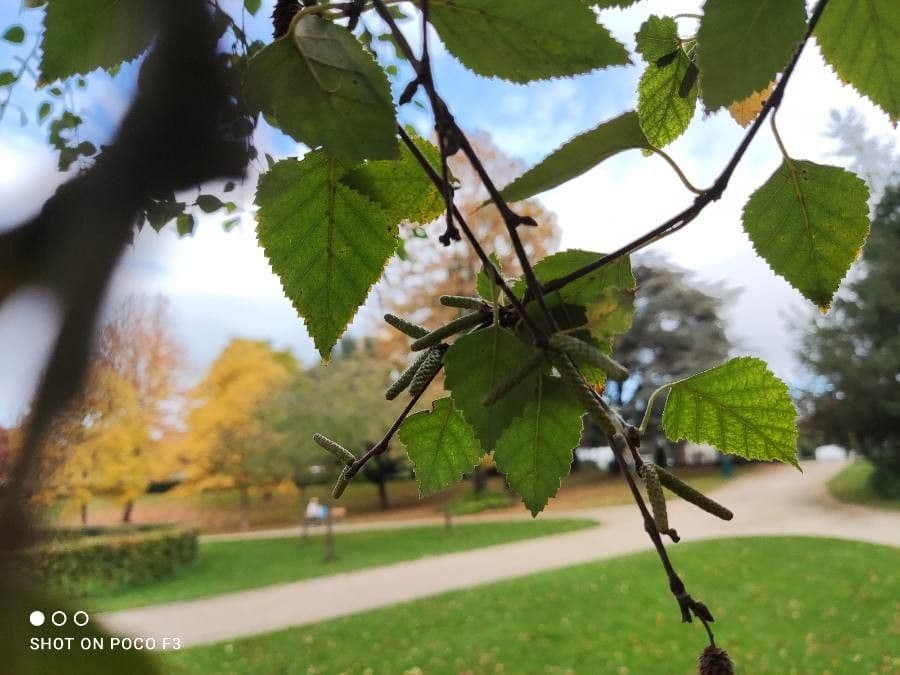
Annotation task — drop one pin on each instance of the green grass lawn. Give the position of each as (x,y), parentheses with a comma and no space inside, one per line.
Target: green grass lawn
(852,485)
(237,565)
(783,606)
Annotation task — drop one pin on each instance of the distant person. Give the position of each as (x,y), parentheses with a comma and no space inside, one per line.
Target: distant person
(315,510)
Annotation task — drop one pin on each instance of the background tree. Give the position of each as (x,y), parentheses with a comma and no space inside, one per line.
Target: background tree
(93,448)
(228,435)
(677,330)
(348,395)
(855,353)
(138,344)
(412,285)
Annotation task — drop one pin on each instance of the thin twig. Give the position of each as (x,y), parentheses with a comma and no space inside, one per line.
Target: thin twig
(711,194)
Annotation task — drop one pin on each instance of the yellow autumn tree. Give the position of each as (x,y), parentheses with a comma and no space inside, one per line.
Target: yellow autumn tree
(92,449)
(229,436)
(138,345)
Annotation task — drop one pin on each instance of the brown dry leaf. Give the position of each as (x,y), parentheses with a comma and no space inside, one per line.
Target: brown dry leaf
(746,111)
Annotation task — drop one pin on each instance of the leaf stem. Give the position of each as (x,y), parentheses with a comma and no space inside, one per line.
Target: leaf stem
(648,411)
(677,169)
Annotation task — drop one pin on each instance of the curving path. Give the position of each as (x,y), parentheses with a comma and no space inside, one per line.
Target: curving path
(776,500)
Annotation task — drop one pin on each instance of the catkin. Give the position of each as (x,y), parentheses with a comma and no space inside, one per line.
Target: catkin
(448,329)
(582,351)
(432,362)
(686,492)
(405,327)
(336,449)
(340,485)
(585,394)
(655,495)
(403,381)
(462,302)
(524,370)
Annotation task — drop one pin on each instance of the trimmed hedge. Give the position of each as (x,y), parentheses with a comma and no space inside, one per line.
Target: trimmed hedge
(78,562)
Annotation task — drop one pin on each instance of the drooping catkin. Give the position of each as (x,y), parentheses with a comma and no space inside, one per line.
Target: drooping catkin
(582,351)
(405,327)
(655,495)
(463,302)
(585,394)
(402,382)
(341,453)
(689,494)
(520,374)
(457,325)
(340,485)
(432,362)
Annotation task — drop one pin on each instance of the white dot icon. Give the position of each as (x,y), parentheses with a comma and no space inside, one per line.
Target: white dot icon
(36,618)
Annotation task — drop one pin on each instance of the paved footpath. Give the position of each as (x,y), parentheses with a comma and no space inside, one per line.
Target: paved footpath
(776,500)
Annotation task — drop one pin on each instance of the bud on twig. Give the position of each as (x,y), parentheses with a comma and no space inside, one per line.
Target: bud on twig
(341,453)
(463,302)
(432,363)
(403,381)
(582,351)
(686,492)
(448,329)
(524,370)
(405,327)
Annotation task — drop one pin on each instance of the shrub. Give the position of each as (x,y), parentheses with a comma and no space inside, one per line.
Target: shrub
(79,561)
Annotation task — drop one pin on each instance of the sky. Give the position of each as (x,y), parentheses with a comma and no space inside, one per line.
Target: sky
(220,285)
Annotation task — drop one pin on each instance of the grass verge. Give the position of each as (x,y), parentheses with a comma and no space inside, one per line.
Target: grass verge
(783,605)
(852,485)
(236,565)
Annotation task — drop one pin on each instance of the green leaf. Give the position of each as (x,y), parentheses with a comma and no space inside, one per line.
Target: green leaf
(229,224)
(252,5)
(521,41)
(184,224)
(441,445)
(400,186)
(662,110)
(7,77)
(209,203)
(477,363)
(578,156)
(326,242)
(740,407)
(607,294)
(742,45)
(809,222)
(861,41)
(535,450)
(323,88)
(14,34)
(43,110)
(83,35)
(485,286)
(657,37)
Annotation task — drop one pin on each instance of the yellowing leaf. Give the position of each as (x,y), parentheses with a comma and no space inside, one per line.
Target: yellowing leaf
(744,112)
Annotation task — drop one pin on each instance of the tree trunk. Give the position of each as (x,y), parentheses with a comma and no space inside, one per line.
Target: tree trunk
(84,514)
(329,538)
(382,493)
(479,480)
(127,511)
(679,453)
(245,507)
(304,527)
